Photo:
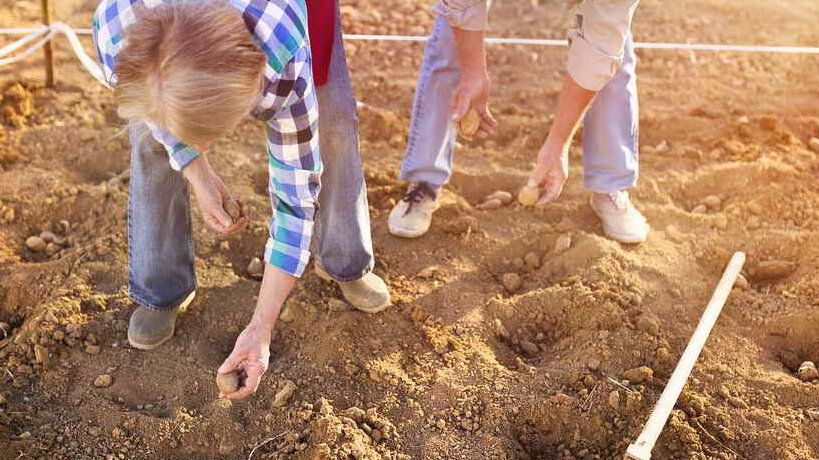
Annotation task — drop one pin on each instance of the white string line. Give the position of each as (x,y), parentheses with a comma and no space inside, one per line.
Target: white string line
(32,36)
(90,64)
(551,42)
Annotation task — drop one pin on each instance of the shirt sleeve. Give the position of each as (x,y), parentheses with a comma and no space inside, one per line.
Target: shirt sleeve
(295,169)
(596,46)
(180,154)
(464,14)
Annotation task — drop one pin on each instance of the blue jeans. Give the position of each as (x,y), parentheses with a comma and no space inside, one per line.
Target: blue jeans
(160,243)
(610,128)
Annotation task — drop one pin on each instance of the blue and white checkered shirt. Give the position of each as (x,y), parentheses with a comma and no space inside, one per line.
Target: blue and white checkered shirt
(287,104)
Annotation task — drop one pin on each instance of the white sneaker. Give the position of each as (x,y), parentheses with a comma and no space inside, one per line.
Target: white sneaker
(411,217)
(621,220)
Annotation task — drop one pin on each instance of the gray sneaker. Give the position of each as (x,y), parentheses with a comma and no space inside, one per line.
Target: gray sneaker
(369,293)
(150,328)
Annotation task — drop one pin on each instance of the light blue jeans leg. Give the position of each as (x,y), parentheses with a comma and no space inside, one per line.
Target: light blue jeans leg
(344,245)
(432,134)
(611,131)
(160,244)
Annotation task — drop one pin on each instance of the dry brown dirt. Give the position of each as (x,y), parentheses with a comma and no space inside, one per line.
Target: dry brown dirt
(461,367)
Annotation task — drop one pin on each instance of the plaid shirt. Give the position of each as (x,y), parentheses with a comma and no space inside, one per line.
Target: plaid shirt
(287,104)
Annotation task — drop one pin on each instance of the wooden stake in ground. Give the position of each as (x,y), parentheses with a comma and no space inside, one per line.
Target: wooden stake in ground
(641,449)
(47,50)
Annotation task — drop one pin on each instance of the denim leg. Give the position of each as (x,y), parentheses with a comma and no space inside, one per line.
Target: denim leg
(432,133)
(343,240)
(611,131)
(160,246)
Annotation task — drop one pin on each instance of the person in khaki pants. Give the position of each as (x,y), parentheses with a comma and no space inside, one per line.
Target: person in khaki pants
(600,88)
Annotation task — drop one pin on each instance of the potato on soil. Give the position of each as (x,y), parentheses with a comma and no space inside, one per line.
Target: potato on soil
(528,196)
(490,204)
(227,383)
(469,124)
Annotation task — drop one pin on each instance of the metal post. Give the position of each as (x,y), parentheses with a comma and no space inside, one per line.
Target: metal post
(47,50)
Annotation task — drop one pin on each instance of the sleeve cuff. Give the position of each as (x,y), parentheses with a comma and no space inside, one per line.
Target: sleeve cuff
(590,67)
(289,259)
(472,17)
(181,156)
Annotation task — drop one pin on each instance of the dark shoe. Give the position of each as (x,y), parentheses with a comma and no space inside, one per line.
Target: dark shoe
(151,328)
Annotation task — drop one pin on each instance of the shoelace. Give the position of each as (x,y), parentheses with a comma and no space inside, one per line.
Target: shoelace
(416,194)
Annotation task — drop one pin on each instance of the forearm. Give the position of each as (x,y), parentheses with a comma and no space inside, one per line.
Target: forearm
(276,286)
(471,51)
(572,105)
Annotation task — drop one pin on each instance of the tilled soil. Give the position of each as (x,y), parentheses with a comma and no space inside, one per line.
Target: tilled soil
(517,333)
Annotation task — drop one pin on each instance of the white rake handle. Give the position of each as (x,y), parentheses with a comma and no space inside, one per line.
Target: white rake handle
(641,449)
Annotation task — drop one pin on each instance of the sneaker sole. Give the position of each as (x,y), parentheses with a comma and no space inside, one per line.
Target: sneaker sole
(405,233)
(326,277)
(150,346)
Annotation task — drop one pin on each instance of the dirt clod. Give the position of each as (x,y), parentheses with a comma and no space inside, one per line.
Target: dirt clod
(283,396)
(511,281)
(227,383)
(562,243)
(639,374)
(532,260)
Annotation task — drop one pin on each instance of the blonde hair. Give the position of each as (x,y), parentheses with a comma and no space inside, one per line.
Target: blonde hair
(190,67)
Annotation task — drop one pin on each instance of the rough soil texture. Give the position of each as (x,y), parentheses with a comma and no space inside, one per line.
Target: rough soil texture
(565,363)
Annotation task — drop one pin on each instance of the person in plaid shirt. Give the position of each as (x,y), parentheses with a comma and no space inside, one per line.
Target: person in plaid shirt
(185,73)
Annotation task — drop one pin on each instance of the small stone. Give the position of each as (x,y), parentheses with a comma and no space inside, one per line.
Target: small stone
(490,205)
(532,260)
(529,348)
(639,374)
(36,244)
(53,248)
(504,197)
(699,209)
(807,371)
(227,383)
(511,281)
(712,201)
(92,349)
(737,402)
(614,400)
(255,268)
(48,237)
(742,282)
(40,354)
(563,243)
(813,143)
(283,396)
(663,355)
(528,196)
(103,381)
